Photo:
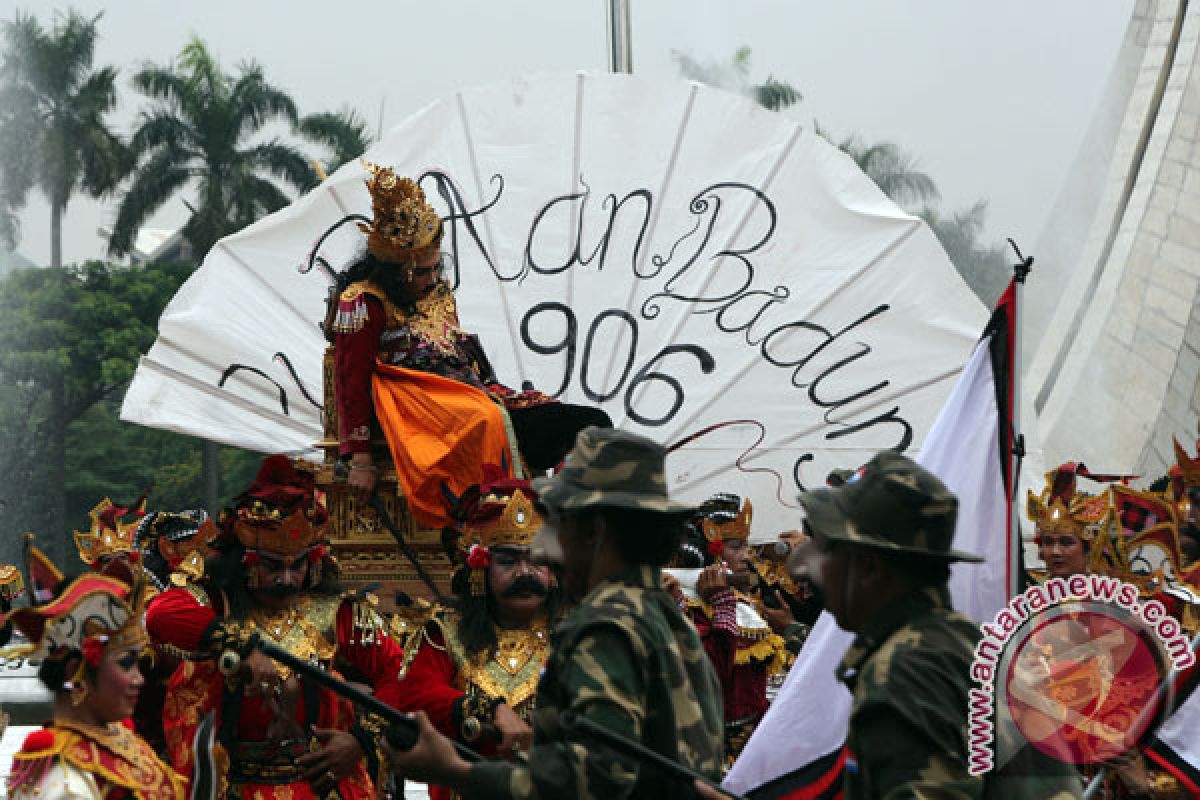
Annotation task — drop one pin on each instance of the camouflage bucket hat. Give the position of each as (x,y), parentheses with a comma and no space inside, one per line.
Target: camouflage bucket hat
(613,469)
(896,505)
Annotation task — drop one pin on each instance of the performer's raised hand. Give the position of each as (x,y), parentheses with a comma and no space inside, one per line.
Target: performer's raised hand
(713,579)
(338,755)
(778,618)
(515,734)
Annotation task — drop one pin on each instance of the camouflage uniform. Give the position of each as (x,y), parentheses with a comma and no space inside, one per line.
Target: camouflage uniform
(626,658)
(909,667)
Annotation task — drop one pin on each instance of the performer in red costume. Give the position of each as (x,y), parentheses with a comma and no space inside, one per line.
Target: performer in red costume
(747,640)
(89,640)
(277,736)
(474,667)
(405,364)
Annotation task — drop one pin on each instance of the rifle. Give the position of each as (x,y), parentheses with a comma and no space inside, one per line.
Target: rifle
(401,731)
(582,727)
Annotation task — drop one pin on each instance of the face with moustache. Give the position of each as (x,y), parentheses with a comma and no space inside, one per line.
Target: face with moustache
(518,585)
(280,579)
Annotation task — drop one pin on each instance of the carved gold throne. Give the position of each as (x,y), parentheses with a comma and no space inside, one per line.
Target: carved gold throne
(366,551)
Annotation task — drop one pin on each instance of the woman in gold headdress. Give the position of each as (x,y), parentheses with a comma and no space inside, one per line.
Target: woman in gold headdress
(89,641)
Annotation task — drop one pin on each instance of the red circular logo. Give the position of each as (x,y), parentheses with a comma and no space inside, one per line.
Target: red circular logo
(1083,687)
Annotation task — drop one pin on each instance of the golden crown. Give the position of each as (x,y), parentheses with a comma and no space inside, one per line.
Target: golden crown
(736,529)
(260,527)
(1051,515)
(403,221)
(108,535)
(514,526)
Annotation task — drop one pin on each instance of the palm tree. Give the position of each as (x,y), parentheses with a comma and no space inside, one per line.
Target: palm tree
(52,108)
(343,133)
(771,94)
(200,130)
(894,172)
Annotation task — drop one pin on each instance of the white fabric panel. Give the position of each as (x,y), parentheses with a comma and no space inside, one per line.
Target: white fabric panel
(759,242)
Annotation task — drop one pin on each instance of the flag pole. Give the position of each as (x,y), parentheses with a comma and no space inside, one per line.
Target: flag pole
(1020,272)
(620,40)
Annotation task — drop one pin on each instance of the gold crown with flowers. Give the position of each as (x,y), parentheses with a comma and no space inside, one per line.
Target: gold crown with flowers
(403,222)
(515,526)
(736,529)
(108,535)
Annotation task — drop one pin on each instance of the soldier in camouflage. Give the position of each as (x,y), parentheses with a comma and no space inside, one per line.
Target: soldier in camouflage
(881,554)
(626,658)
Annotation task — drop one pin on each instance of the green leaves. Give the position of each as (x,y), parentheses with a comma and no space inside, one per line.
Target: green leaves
(70,339)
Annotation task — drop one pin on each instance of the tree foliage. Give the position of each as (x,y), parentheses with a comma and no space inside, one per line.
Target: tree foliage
(206,128)
(734,75)
(53,133)
(343,134)
(70,339)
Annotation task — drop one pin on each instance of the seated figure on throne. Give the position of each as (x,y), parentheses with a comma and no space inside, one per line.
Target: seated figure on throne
(404,362)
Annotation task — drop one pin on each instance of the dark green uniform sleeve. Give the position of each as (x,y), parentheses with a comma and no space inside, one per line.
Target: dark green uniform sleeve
(604,680)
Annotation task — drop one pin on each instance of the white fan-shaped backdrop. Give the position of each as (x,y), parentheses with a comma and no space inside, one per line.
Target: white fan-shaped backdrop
(668,251)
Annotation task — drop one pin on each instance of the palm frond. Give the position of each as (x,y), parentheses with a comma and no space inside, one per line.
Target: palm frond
(152,186)
(97,94)
(254,102)
(775,95)
(344,133)
(281,160)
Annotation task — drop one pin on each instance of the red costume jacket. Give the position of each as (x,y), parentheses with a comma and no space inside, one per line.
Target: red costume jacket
(322,628)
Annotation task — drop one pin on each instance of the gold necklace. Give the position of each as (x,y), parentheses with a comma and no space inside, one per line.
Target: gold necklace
(276,624)
(515,647)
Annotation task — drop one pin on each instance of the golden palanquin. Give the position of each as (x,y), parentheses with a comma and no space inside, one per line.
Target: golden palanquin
(366,550)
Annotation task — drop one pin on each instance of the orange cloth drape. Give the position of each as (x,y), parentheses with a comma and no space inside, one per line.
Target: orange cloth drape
(440,432)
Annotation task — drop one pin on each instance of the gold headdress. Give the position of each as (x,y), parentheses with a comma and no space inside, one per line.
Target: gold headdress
(94,615)
(1060,510)
(109,536)
(282,512)
(504,520)
(404,222)
(718,526)
(502,516)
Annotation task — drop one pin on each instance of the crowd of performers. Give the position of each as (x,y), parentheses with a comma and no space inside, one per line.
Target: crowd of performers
(152,697)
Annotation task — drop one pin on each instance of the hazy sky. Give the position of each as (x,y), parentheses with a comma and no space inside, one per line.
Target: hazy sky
(992,98)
